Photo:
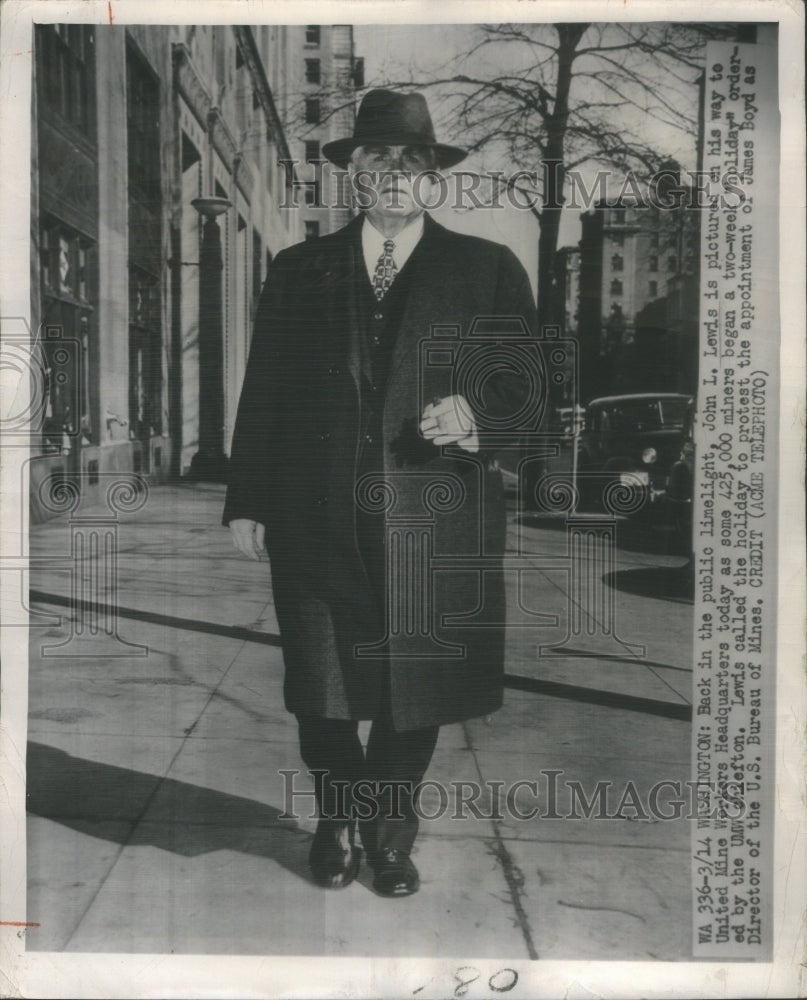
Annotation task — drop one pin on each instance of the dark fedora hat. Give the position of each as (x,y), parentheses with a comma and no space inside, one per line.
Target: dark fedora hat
(392,119)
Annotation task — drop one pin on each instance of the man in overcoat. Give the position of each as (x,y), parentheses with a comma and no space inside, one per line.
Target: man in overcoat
(357,463)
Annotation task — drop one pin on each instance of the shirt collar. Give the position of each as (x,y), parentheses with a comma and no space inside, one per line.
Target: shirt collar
(405,242)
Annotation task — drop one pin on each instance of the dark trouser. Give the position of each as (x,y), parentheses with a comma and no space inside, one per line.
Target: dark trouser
(397,758)
(394,762)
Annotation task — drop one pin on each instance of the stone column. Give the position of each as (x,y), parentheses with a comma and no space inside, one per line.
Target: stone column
(210,461)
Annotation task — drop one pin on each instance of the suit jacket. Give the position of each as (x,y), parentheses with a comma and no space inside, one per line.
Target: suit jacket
(294,460)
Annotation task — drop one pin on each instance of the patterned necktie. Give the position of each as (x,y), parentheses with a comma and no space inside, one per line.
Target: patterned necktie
(385,271)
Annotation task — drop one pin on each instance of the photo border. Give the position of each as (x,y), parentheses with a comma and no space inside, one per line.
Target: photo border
(41,974)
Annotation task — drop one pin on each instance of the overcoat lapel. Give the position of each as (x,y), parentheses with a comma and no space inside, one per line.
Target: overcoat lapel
(343,315)
(426,302)
(354,352)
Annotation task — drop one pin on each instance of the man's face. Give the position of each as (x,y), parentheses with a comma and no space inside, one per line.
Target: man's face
(393,181)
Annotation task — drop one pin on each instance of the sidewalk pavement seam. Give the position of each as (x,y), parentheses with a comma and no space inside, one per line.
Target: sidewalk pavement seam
(238,632)
(638,661)
(660,848)
(147,804)
(596,696)
(571,651)
(513,875)
(667,684)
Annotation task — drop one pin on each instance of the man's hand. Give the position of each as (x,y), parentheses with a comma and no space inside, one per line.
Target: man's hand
(449,421)
(248,537)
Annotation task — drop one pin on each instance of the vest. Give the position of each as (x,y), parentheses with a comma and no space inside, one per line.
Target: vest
(379,325)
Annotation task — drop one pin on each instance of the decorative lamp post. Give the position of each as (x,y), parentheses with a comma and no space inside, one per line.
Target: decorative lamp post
(210,462)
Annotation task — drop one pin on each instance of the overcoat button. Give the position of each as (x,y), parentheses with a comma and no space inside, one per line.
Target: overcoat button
(325,436)
(378,315)
(321,501)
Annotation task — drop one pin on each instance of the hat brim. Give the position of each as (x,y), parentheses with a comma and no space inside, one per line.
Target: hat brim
(339,151)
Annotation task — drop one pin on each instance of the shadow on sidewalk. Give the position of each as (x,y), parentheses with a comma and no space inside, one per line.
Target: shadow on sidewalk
(138,809)
(666,583)
(639,533)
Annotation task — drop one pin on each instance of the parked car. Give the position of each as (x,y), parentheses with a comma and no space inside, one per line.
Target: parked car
(633,440)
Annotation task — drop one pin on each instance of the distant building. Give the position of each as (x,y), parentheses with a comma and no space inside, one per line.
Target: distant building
(567,262)
(143,330)
(630,259)
(323,77)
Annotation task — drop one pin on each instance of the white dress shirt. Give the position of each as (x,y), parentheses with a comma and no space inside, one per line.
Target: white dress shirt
(372,244)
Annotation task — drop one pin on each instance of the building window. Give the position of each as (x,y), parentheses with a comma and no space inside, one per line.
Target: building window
(67,65)
(654,241)
(311,151)
(312,71)
(64,355)
(312,111)
(143,114)
(312,34)
(652,289)
(358,73)
(616,262)
(616,287)
(618,216)
(652,263)
(672,263)
(145,363)
(312,194)
(67,290)
(145,251)
(618,239)
(311,229)
(64,262)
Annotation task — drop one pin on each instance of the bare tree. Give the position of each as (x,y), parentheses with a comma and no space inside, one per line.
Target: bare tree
(546,99)
(554,97)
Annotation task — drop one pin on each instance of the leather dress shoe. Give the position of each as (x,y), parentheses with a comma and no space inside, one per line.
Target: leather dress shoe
(395,875)
(333,859)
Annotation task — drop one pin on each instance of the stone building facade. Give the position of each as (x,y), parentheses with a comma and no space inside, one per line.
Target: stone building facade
(638,298)
(324,74)
(158,201)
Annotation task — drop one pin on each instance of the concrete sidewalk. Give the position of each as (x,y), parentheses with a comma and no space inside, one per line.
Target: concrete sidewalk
(154,790)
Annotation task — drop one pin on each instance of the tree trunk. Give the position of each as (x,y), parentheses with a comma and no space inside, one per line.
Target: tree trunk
(550,304)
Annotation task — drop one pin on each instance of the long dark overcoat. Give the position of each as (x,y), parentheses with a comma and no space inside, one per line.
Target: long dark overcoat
(293,467)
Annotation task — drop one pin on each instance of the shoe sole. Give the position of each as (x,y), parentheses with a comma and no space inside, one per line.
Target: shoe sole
(396,893)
